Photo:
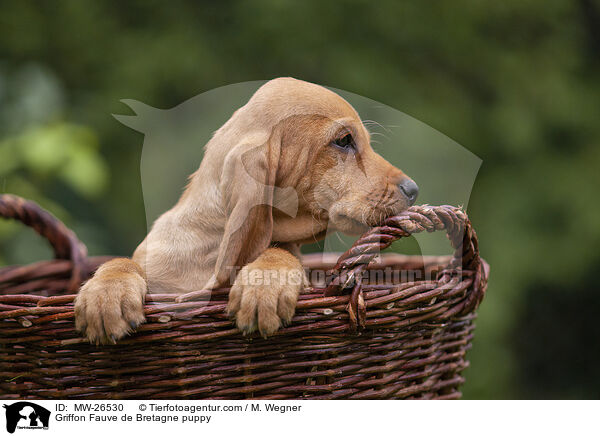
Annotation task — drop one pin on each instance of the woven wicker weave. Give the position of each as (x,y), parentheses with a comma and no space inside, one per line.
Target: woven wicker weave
(394,340)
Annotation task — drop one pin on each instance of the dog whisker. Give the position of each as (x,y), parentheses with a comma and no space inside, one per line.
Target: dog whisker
(375,123)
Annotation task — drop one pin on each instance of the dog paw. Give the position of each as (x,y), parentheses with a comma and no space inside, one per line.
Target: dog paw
(265,299)
(106,309)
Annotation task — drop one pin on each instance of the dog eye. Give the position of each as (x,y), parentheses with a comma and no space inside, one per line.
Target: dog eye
(345,142)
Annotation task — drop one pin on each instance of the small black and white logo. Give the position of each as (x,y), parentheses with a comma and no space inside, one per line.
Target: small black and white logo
(26,415)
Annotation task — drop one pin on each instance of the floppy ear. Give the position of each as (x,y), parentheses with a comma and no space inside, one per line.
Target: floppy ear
(247,185)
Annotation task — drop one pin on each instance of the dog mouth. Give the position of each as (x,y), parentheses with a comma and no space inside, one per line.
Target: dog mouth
(353,225)
(356,218)
(373,219)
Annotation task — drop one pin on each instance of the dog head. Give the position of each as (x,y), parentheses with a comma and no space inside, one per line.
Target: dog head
(297,143)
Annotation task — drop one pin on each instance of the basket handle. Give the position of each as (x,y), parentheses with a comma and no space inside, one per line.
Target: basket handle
(416,219)
(63,241)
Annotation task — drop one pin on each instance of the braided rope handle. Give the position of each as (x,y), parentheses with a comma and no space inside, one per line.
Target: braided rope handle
(416,219)
(63,241)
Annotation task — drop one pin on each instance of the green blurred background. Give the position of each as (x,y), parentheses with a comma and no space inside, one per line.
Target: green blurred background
(515,82)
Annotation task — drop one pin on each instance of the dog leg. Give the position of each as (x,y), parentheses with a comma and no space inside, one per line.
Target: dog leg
(264,294)
(110,304)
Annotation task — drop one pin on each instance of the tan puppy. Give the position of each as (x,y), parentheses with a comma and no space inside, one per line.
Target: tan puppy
(294,147)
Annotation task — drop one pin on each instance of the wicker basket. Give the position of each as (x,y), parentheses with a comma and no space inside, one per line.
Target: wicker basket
(402,339)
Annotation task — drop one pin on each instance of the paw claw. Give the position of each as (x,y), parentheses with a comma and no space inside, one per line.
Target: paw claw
(107,310)
(264,307)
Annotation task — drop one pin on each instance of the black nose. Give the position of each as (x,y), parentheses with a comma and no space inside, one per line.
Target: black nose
(410,189)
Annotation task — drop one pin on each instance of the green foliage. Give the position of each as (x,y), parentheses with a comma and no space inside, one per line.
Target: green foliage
(57,151)
(41,154)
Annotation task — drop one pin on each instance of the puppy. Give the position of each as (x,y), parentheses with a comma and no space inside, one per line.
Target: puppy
(291,163)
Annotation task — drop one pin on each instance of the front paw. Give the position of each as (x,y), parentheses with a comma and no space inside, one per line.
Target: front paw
(106,309)
(264,300)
